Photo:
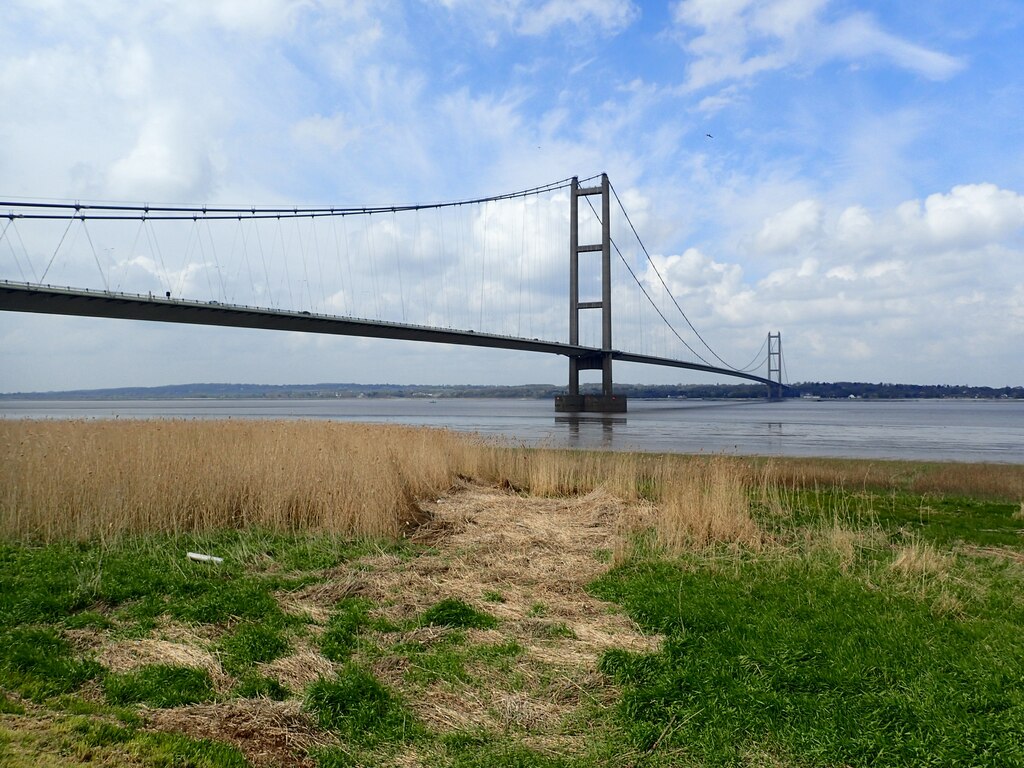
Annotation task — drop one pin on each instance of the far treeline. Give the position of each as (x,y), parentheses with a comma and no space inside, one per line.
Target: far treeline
(824,390)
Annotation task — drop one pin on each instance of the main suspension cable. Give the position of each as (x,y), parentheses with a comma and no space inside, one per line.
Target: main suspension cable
(665,285)
(642,288)
(113,211)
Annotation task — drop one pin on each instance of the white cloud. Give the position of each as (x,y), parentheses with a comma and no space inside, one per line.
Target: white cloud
(791,227)
(858,36)
(317,131)
(739,39)
(972,214)
(170,161)
(859,293)
(542,17)
(609,16)
(262,17)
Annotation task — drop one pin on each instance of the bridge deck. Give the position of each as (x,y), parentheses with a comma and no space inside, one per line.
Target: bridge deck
(52,300)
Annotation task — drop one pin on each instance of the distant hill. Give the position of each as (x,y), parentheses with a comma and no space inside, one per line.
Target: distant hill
(833,390)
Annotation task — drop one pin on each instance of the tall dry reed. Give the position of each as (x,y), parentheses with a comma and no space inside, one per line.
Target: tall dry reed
(83,479)
(102,478)
(707,502)
(1004,482)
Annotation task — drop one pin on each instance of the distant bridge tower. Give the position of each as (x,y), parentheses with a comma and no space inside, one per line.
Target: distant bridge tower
(606,402)
(775,366)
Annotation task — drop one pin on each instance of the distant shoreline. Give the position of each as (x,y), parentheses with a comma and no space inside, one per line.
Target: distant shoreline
(333,391)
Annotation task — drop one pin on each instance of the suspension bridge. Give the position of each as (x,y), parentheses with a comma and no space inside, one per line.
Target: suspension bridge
(487,272)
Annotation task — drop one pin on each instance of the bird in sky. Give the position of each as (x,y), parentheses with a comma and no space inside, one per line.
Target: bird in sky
(709,135)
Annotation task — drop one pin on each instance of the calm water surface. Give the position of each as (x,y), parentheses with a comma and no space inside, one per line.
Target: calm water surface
(946,430)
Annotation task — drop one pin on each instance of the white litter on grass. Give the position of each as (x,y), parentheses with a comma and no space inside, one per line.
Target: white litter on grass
(201,558)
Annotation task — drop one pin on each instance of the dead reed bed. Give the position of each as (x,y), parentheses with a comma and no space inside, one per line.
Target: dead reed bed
(86,479)
(1004,482)
(707,502)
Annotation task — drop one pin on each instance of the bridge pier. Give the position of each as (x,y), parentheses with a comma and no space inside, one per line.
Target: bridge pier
(607,401)
(590,404)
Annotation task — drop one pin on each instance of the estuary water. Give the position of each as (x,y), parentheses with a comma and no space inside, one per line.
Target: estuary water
(937,430)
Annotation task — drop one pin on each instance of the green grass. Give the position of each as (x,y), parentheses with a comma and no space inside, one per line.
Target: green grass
(159,685)
(150,576)
(792,657)
(480,750)
(172,750)
(251,643)
(38,663)
(946,521)
(8,707)
(252,686)
(100,733)
(99,741)
(360,709)
(452,612)
(350,616)
(940,520)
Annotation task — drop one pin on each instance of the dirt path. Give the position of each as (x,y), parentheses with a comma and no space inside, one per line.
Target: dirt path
(537,555)
(526,561)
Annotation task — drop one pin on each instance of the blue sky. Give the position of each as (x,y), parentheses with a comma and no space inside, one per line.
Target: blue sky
(863,192)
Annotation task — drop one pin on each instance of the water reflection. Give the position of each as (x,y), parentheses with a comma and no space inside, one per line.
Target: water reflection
(583,430)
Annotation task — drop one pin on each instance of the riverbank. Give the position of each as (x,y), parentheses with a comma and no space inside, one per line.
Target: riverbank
(511,607)
(82,479)
(841,390)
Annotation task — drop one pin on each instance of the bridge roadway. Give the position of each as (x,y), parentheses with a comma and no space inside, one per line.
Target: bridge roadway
(52,300)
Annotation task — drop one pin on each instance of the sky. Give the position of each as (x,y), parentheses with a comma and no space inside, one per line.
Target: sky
(849,174)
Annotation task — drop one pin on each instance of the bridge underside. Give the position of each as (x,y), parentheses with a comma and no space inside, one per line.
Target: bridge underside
(50,300)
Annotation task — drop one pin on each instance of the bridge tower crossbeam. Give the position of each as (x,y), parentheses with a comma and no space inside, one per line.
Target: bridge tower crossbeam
(775,366)
(607,401)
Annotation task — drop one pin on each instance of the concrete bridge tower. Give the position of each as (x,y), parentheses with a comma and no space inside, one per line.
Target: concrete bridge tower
(607,401)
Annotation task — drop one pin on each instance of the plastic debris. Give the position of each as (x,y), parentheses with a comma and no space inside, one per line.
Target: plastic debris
(199,557)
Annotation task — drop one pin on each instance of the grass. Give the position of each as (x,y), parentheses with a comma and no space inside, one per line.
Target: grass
(81,480)
(338,641)
(159,685)
(818,664)
(252,686)
(448,660)
(356,705)
(780,612)
(77,741)
(37,663)
(452,612)
(252,643)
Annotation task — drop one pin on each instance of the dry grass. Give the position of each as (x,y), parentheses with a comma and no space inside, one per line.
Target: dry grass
(706,503)
(527,561)
(78,479)
(269,733)
(984,481)
(101,479)
(532,551)
(927,573)
(839,542)
(919,560)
